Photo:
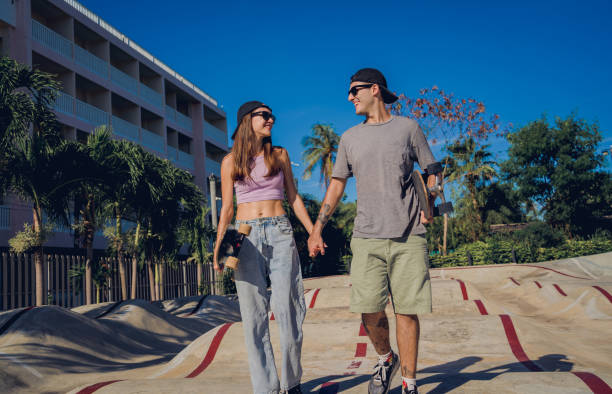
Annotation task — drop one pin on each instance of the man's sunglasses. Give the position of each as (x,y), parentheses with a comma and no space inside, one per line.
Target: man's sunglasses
(264,114)
(357,88)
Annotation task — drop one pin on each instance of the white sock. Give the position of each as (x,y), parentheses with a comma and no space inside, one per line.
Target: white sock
(382,358)
(410,384)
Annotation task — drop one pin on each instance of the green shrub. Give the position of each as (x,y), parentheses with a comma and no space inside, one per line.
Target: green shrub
(499,251)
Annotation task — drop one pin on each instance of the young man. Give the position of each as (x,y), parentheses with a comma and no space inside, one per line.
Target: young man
(388,244)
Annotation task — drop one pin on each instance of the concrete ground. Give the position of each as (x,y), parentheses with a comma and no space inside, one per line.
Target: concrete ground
(529,328)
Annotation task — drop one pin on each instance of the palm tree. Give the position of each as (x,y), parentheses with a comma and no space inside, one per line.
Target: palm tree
(469,164)
(321,148)
(34,162)
(43,175)
(25,98)
(198,233)
(120,201)
(98,174)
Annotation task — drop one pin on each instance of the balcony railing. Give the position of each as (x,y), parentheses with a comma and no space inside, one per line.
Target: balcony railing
(212,167)
(125,81)
(64,103)
(5,218)
(51,39)
(125,129)
(183,121)
(91,114)
(172,153)
(170,112)
(90,61)
(152,141)
(185,159)
(150,95)
(215,134)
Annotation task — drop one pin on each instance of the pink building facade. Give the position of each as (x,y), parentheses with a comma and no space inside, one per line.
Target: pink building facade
(107,79)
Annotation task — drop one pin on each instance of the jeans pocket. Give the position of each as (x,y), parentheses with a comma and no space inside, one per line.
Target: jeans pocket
(285,228)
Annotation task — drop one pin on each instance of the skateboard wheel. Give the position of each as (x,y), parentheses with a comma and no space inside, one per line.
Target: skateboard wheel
(232,262)
(244,229)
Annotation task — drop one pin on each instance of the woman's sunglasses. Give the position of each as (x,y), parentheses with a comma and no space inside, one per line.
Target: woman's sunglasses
(357,88)
(264,114)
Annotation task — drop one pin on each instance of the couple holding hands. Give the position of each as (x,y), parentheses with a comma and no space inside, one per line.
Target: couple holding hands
(388,244)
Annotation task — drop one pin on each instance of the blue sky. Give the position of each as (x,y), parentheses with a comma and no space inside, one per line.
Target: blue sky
(521,59)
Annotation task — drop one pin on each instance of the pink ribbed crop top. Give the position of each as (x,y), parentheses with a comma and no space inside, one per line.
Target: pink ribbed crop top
(260,187)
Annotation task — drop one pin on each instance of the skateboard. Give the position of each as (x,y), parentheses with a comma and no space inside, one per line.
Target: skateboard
(231,244)
(427,196)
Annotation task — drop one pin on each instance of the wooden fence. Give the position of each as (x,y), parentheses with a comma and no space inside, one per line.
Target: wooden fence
(63,288)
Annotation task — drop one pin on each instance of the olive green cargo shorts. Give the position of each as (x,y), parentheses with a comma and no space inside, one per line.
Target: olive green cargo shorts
(399,266)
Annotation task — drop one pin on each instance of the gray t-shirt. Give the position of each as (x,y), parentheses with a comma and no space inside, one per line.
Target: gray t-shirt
(381,156)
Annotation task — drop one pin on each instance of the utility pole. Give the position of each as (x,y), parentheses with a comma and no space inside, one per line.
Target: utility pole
(212,181)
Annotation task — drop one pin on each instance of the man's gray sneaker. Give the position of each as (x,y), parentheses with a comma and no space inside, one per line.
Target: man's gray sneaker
(383,375)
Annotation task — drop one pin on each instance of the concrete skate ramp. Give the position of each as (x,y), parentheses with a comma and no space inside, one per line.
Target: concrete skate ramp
(529,328)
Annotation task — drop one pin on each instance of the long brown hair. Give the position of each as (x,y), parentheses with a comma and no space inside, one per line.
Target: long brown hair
(245,148)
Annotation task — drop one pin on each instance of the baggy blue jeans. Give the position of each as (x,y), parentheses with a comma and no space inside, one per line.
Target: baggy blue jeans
(270,250)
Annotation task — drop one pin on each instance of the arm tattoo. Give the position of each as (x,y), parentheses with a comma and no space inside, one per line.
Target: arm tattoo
(324,214)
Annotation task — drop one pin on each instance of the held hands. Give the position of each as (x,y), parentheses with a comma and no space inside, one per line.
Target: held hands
(316,244)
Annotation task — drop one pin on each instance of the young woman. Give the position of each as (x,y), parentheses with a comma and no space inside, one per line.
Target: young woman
(261,175)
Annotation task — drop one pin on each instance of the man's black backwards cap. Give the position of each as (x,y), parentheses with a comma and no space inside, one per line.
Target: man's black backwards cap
(372,75)
(246,109)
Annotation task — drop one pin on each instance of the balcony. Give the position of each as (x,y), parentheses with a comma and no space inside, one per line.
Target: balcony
(185,159)
(90,61)
(172,154)
(150,95)
(125,129)
(215,134)
(212,167)
(182,120)
(5,218)
(90,114)
(123,80)
(51,39)
(153,141)
(64,103)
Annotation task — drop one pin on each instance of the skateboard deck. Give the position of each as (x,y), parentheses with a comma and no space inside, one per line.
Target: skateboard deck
(230,245)
(427,198)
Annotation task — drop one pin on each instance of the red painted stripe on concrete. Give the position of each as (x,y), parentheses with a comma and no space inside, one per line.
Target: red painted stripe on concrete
(463,289)
(329,388)
(95,387)
(559,290)
(361,350)
(354,365)
(537,284)
(13,319)
(604,292)
(553,270)
(596,385)
(510,265)
(212,350)
(362,331)
(314,298)
(515,282)
(515,345)
(481,307)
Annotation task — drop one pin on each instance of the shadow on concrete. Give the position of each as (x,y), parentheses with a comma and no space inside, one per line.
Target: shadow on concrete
(448,376)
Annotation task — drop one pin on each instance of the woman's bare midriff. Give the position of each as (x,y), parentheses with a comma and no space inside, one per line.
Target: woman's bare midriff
(259,209)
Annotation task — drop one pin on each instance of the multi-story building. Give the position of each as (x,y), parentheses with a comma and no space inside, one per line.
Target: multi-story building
(107,79)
